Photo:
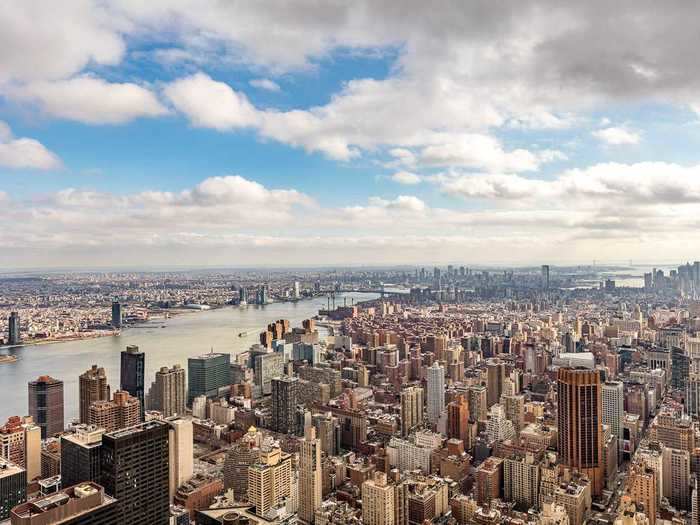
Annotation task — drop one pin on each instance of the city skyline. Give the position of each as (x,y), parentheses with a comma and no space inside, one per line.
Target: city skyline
(185,133)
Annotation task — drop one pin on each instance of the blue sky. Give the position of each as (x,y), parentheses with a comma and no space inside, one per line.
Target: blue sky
(210,133)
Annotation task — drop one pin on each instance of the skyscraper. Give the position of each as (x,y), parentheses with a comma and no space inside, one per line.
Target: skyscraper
(20,443)
(269,480)
(458,420)
(116,314)
(545,277)
(207,373)
(134,470)
(14,337)
(436,392)
(181,451)
(122,412)
(495,379)
(13,487)
(92,387)
(168,392)
(46,405)
(133,364)
(285,392)
(411,409)
(580,423)
(309,475)
(614,411)
(80,455)
(378,501)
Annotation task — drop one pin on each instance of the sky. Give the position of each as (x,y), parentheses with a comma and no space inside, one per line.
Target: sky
(273,133)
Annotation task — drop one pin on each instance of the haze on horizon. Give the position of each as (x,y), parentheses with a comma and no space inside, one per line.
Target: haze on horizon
(205,133)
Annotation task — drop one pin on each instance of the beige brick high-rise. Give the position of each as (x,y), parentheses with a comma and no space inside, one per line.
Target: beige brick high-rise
(310,481)
(377,501)
(123,411)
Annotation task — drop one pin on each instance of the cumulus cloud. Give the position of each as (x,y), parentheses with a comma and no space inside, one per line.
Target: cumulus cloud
(265,84)
(406,177)
(24,152)
(617,136)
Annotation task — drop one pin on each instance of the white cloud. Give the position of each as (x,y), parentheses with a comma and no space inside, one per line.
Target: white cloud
(617,136)
(406,177)
(24,152)
(92,100)
(265,84)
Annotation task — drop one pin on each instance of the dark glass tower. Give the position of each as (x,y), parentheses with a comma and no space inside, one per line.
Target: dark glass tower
(46,405)
(116,314)
(207,374)
(133,364)
(284,401)
(80,456)
(13,334)
(135,471)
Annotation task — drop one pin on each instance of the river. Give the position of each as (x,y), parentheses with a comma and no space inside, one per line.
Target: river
(182,336)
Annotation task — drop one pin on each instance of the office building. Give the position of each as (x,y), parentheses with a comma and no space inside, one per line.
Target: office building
(642,486)
(133,365)
(378,501)
(458,420)
(676,477)
(135,471)
(80,455)
(206,374)
(309,475)
(14,336)
(168,392)
(614,411)
(521,480)
(495,381)
(123,411)
(92,386)
(269,481)
(116,314)
(545,277)
(411,409)
(579,399)
(13,487)
(46,405)
(82,504)
(284,402)
(180,452)
(436,392)
(514,407)
(20,443)
(328,431)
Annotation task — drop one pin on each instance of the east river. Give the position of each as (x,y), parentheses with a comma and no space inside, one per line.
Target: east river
(165,342)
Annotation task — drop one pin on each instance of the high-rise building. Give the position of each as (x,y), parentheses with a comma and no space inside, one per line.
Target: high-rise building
(642,488)
(579,401)
(244,453)
(285,391)
(13,487)
(411,409)
(521,480)
(499,427)
(181,452)
(135,471)
(133,366)
(46,405)
(477,397)
(489,480)
(676,477)
(208,373)
(14,336)
(378,501)
(614,411)
(309,475)
(458,420)
(122,412)
(83,504)
(80,455)
(92,385)
(514,406)
(328,431)
(168,392)
(495,380)
(269,480)
(20,443)
(436,392)
(116,314)
(545,277)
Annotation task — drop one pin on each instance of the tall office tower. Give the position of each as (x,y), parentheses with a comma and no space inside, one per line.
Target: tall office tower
(642,487)
(83,504)
(436,392)
(80,455)
(580,423)
(208,373)
(297,290)
(477,396)
(309,475)
(328,431)
(545,277)
(495,380)
(378,501)
(116,314)
(676,477)
(411,409)
(614,411)
(92,387)
(458,420)
(134,470)
(46,405)
(181,454)
(20,443)
(242,296)
(285,391)
(514,406)
(13,487)
(14,336)
(133,366)
(168,392)
(122,412)
(269,480)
